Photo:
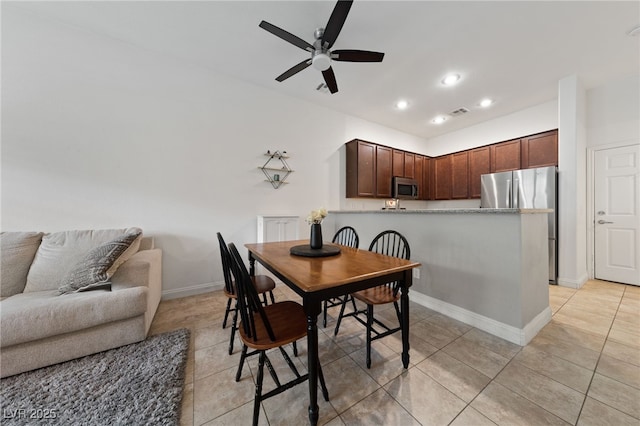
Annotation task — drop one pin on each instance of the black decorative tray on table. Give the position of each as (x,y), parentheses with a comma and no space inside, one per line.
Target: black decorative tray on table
(307,251)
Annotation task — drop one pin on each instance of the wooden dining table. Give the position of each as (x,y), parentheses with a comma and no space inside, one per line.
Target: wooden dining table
(319,278)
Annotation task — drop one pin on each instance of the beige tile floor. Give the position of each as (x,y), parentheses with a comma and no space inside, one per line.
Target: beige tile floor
(583,368)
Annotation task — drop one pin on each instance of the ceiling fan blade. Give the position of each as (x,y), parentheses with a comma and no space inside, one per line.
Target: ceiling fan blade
(356,56)
(294,70)
(286,36)
(330,79)
(336,21)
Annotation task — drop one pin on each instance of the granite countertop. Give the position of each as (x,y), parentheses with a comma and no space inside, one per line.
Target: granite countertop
(446,211)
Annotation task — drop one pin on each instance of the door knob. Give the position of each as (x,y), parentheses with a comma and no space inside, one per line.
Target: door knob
(602,222)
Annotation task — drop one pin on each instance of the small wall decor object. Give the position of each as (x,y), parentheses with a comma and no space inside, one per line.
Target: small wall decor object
(276,168)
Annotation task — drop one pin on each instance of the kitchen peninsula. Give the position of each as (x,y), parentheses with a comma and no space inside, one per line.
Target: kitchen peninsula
(486,267)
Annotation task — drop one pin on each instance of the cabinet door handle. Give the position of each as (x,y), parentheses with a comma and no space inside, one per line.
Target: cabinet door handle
(602,222)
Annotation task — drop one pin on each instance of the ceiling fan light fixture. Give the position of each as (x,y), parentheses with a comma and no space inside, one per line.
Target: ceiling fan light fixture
(321,61)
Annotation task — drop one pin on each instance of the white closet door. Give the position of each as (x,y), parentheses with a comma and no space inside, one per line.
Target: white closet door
(617,218)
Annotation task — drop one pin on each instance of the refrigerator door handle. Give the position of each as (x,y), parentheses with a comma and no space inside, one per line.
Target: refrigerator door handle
(509,195)
(516,199)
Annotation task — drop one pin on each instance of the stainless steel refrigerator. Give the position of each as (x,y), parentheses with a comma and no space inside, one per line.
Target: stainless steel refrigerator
(526,189)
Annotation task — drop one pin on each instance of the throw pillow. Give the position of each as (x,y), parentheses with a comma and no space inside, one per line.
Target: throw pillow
(18,250)
(130,251)
(95,269)
(61,251)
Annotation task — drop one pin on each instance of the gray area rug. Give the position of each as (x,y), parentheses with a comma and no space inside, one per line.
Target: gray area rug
(138,384)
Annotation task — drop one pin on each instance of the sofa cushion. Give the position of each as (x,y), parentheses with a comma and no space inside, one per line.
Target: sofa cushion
(27,317)
(18,250)
(60,251)
(94,270)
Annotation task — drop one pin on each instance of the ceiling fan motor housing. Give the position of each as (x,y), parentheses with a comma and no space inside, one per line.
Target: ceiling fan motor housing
(321,56)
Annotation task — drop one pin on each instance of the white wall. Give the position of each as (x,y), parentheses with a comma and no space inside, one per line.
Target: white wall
(613,119)
(97,134)
(613,112)
(532,120)
(572,265)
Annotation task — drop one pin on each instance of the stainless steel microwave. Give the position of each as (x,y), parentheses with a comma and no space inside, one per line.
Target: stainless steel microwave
(405,188)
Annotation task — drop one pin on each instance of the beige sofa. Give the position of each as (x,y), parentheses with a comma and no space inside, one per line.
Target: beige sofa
(39,326)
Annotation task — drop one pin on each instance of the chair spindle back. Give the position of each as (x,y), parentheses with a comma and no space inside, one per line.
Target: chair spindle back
(391,243)
(347,236)
(226,265)
(248,299)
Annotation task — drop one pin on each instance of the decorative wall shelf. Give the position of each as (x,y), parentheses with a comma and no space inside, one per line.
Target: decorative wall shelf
(276,168)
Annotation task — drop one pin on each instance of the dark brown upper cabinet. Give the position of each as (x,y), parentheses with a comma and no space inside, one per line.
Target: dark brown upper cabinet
(409,165)
(426,188)
(369,170)
(540,150)
(460,175)
(418,169)
(505,156)
(361,169)
(442,177)
(383,171)
(479,164)
(371,167)
(398,163)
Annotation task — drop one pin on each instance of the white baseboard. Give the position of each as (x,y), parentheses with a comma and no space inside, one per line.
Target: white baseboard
(572,282)
(191,290)
(512,334)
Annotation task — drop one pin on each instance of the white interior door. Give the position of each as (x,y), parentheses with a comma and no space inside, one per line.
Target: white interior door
(617,221)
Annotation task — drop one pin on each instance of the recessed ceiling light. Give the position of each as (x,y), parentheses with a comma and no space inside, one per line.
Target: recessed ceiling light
(486,102)
(451,79)
(402,104)
(439,119)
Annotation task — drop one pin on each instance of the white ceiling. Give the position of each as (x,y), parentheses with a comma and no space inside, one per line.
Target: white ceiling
(514,52)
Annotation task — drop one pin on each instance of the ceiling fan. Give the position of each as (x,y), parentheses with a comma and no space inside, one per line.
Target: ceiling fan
(321,55)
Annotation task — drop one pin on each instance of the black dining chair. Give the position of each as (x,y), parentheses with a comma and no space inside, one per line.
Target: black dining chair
(346,236)
(263,284)
(267,327)
(390,243)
